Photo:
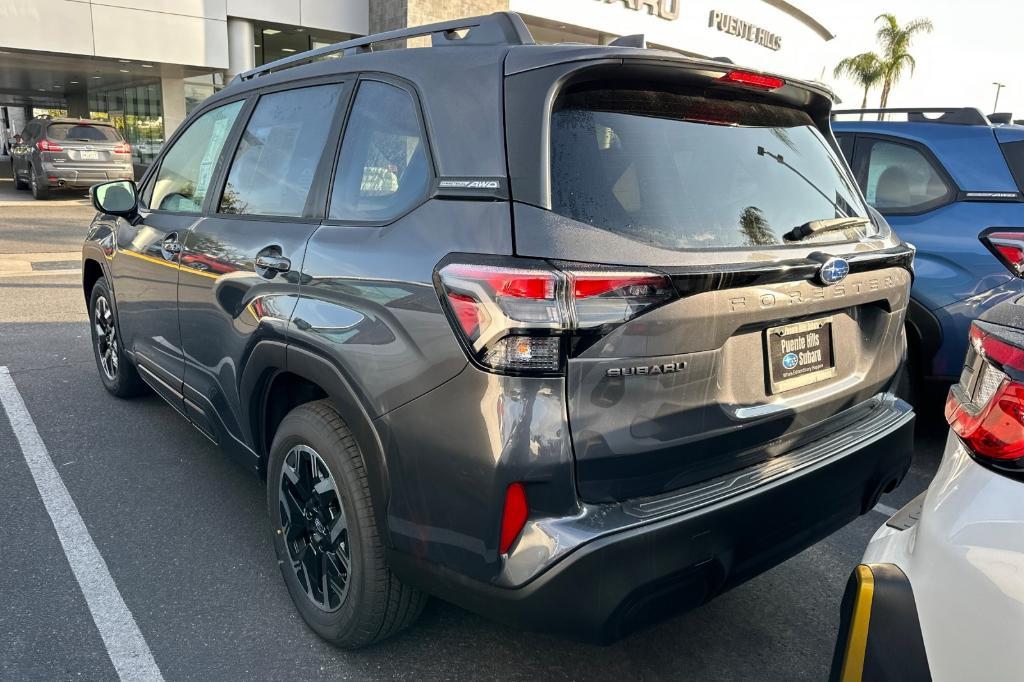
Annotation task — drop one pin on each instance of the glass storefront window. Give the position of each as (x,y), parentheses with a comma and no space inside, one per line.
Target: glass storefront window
(137,112)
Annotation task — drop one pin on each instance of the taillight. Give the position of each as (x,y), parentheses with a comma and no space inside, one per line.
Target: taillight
(123,148)
(1008,247)
(47,146)
(986,409)
(518,315)
(753,80)
(513,516)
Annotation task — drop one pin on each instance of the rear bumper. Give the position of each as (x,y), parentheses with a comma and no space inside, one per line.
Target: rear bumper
(57,177)
(691,549)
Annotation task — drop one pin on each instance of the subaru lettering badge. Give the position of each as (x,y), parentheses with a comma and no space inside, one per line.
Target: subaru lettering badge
(790,360)
(833,271)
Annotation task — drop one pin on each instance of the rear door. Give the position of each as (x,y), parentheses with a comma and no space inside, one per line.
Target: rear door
(768,341)
(240,265)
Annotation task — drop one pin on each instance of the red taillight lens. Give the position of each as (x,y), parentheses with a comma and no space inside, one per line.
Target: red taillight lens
(514,516)
(1008,247)
(123,148)
(753,80)
(987,413)
(514,318)
(47,146)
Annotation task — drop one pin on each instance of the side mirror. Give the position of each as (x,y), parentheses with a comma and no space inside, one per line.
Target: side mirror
(118,198)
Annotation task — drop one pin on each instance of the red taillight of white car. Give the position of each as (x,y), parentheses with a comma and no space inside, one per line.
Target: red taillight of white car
(986,409)
(1008,246)
(520,315)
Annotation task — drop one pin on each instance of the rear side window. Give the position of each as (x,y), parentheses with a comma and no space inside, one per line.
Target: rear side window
(383,170)
(1014,153)
(187,167)
(82,132)
(278,154)
(901,179)
(682,171)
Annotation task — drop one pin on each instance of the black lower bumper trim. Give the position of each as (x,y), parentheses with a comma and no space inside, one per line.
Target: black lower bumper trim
(610,585)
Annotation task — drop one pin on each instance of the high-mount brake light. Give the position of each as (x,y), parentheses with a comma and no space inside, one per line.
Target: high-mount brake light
(753,80)
(47,146)
(1008,247)
(986,409)
(517,317)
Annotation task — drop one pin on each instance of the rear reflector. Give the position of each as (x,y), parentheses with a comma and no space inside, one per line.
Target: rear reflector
(753,80)
(1008,247)
(514,516)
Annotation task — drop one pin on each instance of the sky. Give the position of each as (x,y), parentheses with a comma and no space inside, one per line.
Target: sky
(975,42)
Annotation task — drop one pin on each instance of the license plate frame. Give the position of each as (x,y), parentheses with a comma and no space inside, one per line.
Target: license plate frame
(805,339)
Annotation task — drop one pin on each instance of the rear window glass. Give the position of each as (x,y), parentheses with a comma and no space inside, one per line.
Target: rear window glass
(681,171)
(82,131)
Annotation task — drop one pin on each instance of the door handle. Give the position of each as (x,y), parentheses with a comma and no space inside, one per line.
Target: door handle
(273,263)
(171,243)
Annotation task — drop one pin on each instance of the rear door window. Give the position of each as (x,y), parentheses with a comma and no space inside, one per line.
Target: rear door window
(82,132)
(279,152)
(384,170)
(901,178)
(683,171)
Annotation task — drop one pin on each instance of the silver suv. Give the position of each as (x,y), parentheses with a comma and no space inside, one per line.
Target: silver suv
(68,153)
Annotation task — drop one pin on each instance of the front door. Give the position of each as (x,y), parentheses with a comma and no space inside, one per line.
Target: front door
(240,266)
(146,261)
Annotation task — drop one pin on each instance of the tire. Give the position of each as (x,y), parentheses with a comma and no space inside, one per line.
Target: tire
(18,184)
(371,604)
(38,191)
(117,372)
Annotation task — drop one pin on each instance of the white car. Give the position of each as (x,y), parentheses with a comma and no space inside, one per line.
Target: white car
(940,592)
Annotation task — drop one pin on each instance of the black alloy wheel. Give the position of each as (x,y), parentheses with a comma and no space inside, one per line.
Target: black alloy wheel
(315,528)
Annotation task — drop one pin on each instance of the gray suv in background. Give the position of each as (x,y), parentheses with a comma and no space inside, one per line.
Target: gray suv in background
(65,153)
(568,335)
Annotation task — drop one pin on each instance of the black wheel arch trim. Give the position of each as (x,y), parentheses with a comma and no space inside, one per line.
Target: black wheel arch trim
(926,332)
(269,359)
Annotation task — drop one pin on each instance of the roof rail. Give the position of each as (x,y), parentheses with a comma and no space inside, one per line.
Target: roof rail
(954,115)
(500,28)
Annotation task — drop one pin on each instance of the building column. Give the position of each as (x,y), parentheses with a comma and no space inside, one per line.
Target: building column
(172,100)
(241,37)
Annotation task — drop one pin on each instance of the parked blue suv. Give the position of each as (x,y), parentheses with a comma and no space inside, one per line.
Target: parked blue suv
(952,183)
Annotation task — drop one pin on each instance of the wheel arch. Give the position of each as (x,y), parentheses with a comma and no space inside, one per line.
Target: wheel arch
(279,378)
(92,271)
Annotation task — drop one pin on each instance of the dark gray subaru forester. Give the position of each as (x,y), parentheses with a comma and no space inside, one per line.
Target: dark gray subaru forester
(567,335)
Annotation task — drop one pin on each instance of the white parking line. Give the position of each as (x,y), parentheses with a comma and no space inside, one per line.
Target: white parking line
(884,509)
(125,644)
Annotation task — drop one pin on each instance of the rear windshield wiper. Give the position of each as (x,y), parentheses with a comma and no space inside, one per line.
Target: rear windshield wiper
(829,225)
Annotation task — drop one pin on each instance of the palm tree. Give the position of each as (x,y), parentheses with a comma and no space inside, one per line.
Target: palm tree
(865,69)
(895,41)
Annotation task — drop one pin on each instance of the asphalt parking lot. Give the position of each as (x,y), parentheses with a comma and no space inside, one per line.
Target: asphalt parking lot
(183,533)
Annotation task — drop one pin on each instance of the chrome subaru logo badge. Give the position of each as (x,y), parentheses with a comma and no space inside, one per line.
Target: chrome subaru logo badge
(833,271)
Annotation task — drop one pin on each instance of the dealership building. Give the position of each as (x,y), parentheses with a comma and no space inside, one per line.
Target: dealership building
(144,64)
